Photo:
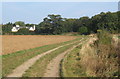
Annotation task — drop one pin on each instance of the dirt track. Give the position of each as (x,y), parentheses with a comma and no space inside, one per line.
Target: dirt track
(18,73)
(54,65)
(13,43)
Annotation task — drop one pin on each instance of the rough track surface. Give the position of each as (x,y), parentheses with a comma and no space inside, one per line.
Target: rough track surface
(20,70)
(54,66)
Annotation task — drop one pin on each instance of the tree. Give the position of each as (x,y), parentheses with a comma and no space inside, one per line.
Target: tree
(21,23)
(118,22)
(51,24)
(83,30)
(6,28)
(68,25)
(55,24)
(83,21)
(22,31)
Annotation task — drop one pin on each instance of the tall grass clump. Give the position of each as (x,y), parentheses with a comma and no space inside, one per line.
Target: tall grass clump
(104,37)
(107,55)
(99,57)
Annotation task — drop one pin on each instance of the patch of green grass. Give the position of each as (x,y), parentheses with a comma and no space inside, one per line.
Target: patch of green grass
(71,34)
(38,69)
(119,37)
(70,66)
(104,37)
(11,61)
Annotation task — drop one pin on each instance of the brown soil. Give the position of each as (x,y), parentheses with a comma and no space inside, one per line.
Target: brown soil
(13,43)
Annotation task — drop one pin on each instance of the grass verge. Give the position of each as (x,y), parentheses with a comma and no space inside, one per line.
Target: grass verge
(11,61)
(38,69)
(70,66)
(119,37)
(107,55)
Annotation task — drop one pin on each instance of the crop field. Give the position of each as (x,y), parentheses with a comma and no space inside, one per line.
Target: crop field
(13,43)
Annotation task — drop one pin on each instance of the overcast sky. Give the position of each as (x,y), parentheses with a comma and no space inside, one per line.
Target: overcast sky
(34,12)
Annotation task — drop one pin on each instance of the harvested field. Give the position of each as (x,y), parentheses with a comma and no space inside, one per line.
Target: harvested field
(13,43)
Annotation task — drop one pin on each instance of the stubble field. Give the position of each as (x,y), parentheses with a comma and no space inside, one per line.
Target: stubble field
(13,43)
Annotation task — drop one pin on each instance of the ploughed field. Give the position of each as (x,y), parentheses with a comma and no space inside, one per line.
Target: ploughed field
(13,43)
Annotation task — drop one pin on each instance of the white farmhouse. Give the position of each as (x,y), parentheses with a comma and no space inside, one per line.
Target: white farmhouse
(17,27)
(32,28)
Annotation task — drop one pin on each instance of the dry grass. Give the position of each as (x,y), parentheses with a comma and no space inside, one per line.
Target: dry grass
(88,58)
(107,61)
(13,43)
(101,59)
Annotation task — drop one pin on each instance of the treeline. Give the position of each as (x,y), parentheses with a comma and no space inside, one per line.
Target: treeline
(55,24)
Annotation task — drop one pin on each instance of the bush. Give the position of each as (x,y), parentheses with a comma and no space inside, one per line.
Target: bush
(83,30)
(24,31)
(104,37)
(107,55)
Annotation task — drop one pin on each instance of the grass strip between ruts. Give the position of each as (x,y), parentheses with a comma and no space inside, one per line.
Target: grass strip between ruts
(70,65)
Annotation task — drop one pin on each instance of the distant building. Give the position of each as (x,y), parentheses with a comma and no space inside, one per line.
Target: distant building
(17,27)
(32,28)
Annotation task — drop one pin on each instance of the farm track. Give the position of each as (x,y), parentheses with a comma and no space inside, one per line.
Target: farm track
(53,68)
(20,70)
(66,62)
(21,56)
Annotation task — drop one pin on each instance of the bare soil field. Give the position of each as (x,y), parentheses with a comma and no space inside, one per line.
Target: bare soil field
(13,43)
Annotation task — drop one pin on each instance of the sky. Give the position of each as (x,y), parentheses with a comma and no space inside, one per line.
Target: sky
(60,0)
(34,12)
